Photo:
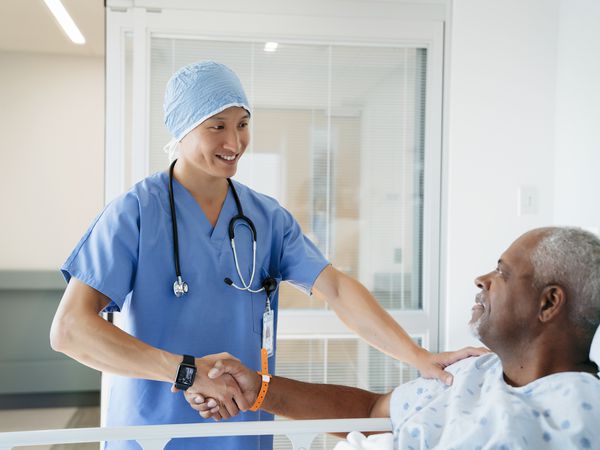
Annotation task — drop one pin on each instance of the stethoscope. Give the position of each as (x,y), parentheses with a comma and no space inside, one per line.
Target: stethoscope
(180,287)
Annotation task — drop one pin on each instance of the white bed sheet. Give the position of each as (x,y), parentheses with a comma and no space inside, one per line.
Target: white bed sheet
(358,441)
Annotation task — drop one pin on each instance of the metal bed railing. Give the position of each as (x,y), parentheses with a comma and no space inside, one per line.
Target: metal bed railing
(301,433)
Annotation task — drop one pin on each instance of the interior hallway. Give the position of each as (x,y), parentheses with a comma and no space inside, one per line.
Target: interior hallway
(49,419)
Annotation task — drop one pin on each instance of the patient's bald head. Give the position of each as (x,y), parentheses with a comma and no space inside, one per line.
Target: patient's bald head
(547,283)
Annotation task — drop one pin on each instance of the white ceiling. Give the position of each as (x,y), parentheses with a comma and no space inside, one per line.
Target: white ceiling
(28,26)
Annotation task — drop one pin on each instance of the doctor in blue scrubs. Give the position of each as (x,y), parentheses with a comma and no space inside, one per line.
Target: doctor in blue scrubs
(162,256)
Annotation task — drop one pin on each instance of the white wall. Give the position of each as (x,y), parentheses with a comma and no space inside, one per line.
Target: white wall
(502,84)
(577,165)
(51,155)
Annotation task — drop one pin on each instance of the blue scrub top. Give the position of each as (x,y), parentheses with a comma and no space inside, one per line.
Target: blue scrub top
(127,254)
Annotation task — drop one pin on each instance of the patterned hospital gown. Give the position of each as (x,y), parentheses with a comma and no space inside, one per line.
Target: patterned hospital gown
(480,411)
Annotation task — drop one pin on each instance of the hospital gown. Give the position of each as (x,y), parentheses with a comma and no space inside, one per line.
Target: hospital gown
(480,411)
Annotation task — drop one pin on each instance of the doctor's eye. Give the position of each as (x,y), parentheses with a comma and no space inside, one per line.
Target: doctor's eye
(244,125)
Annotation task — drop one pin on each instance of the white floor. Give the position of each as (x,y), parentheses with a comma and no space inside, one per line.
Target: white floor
(40,419)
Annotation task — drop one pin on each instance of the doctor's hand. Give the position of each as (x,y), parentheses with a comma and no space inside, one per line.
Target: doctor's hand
(248,380)
(432,365)
(224,392)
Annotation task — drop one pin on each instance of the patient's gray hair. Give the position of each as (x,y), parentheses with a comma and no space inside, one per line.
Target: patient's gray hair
(570,257)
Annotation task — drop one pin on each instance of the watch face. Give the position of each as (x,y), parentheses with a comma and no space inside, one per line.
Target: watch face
(186,375)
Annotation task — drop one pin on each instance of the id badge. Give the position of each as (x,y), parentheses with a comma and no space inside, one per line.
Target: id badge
(268,331)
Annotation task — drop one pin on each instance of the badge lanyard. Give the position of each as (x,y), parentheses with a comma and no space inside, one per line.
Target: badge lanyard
(268,329)
(266,350)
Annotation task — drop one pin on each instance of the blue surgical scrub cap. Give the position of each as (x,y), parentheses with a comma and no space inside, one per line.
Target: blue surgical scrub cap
(195,93)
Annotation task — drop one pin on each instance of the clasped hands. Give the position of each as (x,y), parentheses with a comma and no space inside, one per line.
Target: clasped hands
(222,388)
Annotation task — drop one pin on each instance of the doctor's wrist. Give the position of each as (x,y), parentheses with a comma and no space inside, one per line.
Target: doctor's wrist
(417,357)
(168,364)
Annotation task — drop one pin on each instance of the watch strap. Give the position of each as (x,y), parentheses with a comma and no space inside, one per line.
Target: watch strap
(189,360)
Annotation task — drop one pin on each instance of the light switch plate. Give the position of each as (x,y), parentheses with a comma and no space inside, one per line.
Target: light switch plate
(528,202)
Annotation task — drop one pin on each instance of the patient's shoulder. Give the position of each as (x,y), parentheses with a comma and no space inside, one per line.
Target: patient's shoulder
(462,369)
(468,373)
(472,375)
(483,363)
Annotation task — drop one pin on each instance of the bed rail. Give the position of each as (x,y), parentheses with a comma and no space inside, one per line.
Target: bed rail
(301,433)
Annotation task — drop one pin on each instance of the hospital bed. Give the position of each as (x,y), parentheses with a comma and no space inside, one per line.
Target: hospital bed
(301,433)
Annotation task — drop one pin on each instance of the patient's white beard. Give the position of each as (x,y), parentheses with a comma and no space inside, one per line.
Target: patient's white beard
(474,328)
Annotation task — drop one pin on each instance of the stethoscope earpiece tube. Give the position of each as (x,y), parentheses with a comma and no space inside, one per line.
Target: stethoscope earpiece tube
(245,219)
(180,287)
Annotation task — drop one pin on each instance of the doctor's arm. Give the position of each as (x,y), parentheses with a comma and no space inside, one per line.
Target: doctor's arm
(81,333)
(363,314)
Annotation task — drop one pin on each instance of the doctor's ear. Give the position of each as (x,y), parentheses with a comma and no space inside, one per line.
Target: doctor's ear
(552,301)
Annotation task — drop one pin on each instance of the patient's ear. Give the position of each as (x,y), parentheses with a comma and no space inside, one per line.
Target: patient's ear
(552,301)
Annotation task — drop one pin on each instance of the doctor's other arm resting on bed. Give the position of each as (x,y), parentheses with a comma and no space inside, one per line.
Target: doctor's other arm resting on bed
(363,314)
(81,333)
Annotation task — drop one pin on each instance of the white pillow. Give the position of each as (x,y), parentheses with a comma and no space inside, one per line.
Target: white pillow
(595,348)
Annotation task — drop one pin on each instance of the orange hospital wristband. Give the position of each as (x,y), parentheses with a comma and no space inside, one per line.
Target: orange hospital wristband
(266,377)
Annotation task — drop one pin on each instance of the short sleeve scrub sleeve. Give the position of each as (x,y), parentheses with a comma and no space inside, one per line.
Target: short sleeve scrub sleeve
(106,256)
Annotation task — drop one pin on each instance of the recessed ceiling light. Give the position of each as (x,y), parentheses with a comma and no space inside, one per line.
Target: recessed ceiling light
(271,46)
(65,21)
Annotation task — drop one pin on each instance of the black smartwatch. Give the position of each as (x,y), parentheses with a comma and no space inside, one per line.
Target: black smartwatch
(185,373)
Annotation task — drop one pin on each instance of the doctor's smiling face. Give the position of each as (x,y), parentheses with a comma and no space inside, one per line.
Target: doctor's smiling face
(505,310)
(216,145)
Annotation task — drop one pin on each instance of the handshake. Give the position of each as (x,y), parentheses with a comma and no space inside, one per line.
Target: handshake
(223,387)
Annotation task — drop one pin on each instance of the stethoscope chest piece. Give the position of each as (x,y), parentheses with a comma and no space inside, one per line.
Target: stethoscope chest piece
(180,287)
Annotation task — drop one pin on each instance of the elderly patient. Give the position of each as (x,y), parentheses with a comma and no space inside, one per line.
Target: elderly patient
(538,311)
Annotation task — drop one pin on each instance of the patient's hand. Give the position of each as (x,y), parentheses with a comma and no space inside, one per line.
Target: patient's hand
(248,380)
(432,365)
